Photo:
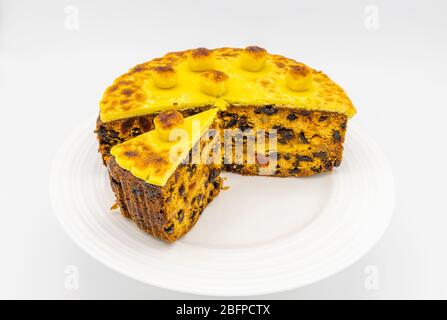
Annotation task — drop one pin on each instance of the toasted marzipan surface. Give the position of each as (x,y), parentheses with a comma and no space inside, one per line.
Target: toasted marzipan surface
(170,211)
(135,94)
(149,157)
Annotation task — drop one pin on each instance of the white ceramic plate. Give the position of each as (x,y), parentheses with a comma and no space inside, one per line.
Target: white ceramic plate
(263,235)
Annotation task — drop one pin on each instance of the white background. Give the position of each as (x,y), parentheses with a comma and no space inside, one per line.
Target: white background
(52,77)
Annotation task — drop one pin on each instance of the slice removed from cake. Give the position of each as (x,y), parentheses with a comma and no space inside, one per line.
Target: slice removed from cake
(163,179)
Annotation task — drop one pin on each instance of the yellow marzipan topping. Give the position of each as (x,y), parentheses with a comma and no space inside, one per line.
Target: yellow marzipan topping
(219,77)
(153,158)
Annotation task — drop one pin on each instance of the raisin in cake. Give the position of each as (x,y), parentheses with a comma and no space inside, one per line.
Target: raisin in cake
(159,183)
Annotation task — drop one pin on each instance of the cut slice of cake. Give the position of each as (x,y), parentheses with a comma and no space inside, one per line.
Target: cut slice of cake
(163,179)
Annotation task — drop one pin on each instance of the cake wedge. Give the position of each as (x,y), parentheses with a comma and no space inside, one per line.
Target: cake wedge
(164,179)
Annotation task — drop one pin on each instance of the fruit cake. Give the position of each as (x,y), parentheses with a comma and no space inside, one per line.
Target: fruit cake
(156,180)
(274,116)
(252,89)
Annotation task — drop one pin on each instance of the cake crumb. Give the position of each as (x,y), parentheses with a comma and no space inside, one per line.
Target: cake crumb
(114,206)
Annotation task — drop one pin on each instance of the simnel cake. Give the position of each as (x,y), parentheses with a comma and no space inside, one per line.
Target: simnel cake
(269,115)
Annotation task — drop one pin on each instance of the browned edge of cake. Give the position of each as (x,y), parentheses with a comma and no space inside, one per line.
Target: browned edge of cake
(170,211)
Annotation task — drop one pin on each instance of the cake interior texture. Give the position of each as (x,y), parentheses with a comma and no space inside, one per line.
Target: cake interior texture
(307,142)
